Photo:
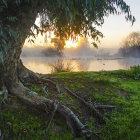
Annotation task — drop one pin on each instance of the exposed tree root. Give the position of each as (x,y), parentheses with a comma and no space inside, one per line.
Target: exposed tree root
(5,93)
(74,124)
(55,84)
(105,106)
(1,135)
(58,89)
(95,112)
(52,116)
(35,101)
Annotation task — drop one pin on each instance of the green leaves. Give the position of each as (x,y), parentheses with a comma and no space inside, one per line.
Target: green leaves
(67,18)
(95,45)
(78,17)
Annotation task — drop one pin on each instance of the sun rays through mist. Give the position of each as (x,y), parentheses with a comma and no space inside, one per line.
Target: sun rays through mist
(71,44)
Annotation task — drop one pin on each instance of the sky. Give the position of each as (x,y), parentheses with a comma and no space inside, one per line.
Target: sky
(114,29)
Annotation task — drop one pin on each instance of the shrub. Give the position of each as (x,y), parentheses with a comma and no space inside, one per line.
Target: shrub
(135,72)
(60,66)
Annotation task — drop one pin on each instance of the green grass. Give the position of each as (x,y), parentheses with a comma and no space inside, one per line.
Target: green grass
(21,125)
(120,88)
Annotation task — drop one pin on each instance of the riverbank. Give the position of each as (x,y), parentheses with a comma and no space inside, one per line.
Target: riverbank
(115,94)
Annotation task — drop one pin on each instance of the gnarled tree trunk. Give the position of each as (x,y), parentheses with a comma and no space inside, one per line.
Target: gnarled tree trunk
(11,60)
(13,74)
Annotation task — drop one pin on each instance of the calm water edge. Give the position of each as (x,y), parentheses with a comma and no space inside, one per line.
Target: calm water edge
(43,64)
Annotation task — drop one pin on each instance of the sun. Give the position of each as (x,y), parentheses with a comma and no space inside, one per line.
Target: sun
(70,44)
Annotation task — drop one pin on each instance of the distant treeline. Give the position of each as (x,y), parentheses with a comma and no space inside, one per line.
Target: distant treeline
(52,52)
(131,45)
(55,50)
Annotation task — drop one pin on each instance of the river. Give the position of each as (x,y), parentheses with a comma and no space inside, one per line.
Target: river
(43,64)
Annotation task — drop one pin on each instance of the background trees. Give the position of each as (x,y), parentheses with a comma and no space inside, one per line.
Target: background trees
(131,45)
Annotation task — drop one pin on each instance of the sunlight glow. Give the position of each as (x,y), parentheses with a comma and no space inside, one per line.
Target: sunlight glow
(70,44)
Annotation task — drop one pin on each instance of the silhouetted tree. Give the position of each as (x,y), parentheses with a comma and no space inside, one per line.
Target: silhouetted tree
(58,44)
(131,45)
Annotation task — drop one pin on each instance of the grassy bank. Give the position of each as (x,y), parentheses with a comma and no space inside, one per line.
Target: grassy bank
(120,89)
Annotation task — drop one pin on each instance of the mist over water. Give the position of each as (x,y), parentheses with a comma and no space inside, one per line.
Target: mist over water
(81,58)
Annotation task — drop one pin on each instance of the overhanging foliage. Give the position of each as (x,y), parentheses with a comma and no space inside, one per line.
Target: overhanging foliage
(67,18)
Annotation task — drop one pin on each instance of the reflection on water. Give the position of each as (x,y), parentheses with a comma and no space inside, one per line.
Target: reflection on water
(42,64)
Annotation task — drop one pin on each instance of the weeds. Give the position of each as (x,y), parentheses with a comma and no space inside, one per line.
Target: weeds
(133,72)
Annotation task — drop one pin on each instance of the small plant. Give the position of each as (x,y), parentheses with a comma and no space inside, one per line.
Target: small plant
(90,124)
(60,66)
(135,72)
(36,89)
(99,97)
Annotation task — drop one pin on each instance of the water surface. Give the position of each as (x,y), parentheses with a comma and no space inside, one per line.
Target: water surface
(43,64)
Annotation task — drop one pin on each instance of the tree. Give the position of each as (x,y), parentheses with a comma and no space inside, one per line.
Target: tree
(59,44)
(131,45)
(56,47)
(67,18)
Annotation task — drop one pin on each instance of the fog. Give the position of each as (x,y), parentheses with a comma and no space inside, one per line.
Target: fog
(83,58)
(133,51)
(84,50)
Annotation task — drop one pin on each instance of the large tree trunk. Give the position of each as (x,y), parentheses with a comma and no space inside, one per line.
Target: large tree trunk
(11,59)
(13,74)
(12,79)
